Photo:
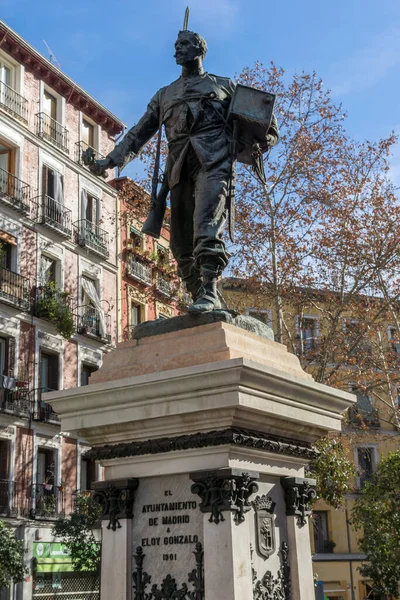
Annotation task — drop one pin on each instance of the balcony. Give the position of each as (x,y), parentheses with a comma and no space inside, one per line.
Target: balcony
(47,501)
(52,131)
(14,289)
(16,401)
(41,410)
(139,271)
(164,286)
(14,192)
(52,214)
(82,147)
(91,236)
(7,498)
(13,103)
(94,323)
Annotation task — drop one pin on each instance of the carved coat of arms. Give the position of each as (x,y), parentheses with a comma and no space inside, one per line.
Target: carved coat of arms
(265,528)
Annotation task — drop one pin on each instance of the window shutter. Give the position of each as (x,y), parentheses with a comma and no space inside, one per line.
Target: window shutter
(45,180)
(10,356)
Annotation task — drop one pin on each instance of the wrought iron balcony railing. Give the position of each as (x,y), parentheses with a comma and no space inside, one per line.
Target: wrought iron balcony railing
(7,498)
(52,131)
(40,409)
(89,235)
(47,501)
(94,323)
(139,271)
(81,147)
(52,214)
(164,286)
(15,401)
(14,192)
(13,103)
(14,289)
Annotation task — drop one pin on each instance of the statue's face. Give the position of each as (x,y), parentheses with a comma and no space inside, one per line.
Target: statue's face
(186,49)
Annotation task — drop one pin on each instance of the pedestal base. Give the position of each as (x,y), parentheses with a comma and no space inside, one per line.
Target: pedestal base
(216,425)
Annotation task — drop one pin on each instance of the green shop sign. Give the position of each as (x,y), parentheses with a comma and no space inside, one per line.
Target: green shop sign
(51,557)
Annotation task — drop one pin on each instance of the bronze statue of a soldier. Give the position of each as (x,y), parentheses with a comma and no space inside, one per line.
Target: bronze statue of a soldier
(200,165)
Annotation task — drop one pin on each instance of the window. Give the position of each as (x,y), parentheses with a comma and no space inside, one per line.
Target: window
(86,372)
(7,158)
(48,371)
(50,105)
(92,209)
(321,536)
(162,317)
(309,332)
(6,254)
(88,133)
(366,461)
(4,475)
(48,270)
(88,474)
(162,255)
(7,358)
(135,238)
(6,74)
(393,337)
(46,466)
(92,319)
(136,314)
(52,184)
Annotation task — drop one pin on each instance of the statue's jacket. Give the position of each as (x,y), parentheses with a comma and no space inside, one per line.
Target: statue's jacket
(193,110)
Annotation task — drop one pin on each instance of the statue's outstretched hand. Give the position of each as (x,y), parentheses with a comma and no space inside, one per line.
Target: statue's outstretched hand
(97,167)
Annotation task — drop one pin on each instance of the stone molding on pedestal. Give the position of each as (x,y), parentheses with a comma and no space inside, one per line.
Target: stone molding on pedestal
(116,498)
(168,589)
(226,489)
(234,436)
(274,588)
(299,494)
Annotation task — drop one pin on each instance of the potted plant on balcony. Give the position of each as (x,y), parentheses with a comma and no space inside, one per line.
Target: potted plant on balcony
(52,304)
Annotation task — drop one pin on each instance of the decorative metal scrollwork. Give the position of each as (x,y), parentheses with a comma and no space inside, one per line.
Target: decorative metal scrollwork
(299,494)
(116,500)
(169,590)
(222,490)
(271,587)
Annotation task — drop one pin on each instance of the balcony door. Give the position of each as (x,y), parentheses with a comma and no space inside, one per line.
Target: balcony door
(50,105)
(7,168)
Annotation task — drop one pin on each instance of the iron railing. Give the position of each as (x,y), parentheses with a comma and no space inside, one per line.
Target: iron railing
(14,289)
(15,401)
(52,214)
(7,498)
(94,323)
(41,411)
(47,501)
(13,103)
(164,286)
(139,271)
(90,235)
(14,192)
(52,131)
(80,147)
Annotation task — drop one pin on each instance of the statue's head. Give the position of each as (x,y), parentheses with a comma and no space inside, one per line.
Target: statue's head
(189,46)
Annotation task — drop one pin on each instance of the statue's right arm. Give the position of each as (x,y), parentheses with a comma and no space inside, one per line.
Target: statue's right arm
(135,139)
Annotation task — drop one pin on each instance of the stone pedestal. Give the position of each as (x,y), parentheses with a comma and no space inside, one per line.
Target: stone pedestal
(215,425)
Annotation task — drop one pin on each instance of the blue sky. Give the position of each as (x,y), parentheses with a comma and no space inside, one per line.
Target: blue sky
(121,51)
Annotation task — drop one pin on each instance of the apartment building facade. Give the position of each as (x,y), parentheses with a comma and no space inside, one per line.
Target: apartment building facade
(148,281)
(58,298)
(369,427)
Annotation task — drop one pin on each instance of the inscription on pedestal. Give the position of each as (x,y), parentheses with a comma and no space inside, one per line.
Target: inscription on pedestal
(167,529)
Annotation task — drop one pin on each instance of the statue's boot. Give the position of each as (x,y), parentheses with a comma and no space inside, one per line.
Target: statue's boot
(194,284)
(208,298)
